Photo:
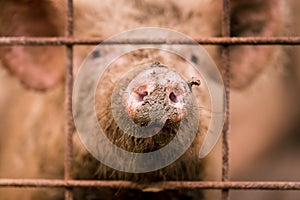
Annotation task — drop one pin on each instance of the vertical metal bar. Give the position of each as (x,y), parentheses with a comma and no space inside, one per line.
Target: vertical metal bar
(68,101)
(226,66)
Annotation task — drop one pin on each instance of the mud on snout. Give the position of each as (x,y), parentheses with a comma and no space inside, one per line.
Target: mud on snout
(155,102)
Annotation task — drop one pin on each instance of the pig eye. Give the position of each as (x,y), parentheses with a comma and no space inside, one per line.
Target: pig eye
(173,97)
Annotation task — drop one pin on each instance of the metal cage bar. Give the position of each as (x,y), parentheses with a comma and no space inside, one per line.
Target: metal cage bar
(226,67)
(68,102)
(203,40)
(171,185)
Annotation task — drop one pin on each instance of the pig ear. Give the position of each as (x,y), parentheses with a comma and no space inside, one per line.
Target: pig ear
(38,67)
(253,18)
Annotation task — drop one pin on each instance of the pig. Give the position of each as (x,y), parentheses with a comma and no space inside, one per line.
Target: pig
(32,88)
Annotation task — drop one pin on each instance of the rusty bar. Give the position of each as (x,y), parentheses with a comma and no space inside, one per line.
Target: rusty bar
(69,119)
(166,185)
(95,41)
(226,67)
(68,102)
(70,19)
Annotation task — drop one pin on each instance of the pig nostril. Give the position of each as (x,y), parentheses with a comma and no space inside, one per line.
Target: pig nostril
(173,97)
(142,95)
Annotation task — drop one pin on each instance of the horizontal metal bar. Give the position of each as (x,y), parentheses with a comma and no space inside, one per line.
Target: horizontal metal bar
(170,185)
(96,41)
